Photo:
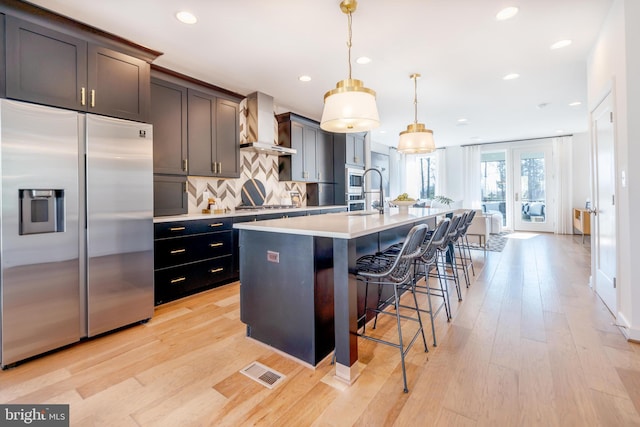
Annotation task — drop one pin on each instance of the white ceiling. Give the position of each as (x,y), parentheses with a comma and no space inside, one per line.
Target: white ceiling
(458,46)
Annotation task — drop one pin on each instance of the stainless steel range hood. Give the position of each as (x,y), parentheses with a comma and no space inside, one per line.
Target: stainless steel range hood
(261,127)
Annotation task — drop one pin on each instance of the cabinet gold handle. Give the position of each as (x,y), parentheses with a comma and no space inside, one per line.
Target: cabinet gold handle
(215,245)
(185,164)
(216,224)
(219,167)
(176,228)
(216,270)
(214,167)
(93,98)
(178,251)
(185,187)
(178,280)
(83,96)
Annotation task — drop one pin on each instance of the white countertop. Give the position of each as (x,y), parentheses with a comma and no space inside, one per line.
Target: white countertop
(343,225)
(239,212)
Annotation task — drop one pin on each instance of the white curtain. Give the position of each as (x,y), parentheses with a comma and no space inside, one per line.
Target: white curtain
(441,172)
(563,172)
(472,175)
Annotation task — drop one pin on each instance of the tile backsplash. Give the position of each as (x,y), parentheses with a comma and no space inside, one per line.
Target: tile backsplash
(227,192)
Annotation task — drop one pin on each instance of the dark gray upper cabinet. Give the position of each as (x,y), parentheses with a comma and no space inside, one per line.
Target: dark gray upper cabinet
(355,149)
(324,156)
(169,195)
(228,138)
(55,68)
(313,161)
(118,84)
(213,135)
(2,58)
(168,115)
(45,66)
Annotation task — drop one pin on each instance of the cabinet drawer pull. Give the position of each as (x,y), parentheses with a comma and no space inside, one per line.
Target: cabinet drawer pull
(176,228)
(185,163)
(83,96)
(93,98)
(216,270)
(178,280)
(178,251)
(216,224)
(219,167)
(215,245)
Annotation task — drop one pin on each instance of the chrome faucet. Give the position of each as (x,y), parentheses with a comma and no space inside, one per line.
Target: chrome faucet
(381,204)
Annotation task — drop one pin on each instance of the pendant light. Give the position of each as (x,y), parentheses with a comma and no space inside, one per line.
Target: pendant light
(417,139)
(350,107)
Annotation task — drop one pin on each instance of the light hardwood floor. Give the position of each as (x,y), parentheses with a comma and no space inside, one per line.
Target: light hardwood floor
(530,344)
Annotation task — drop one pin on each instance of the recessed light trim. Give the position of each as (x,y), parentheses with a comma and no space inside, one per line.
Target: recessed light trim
(186,17)
(559,130)
(463,120)
(507,13)
(560,44)
(511,76)
(304,78)
(575,104)
(363,60)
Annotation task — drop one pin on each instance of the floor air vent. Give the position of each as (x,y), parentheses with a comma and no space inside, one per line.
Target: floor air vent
(265,376)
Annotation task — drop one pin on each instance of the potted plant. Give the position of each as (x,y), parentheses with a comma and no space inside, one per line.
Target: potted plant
(444,200)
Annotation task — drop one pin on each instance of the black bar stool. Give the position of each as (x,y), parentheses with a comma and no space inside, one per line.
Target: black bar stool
(446,256)
(423,264)
(393,270)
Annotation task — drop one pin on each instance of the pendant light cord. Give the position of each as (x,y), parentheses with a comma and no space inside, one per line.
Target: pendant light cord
(349,43)
(415,98)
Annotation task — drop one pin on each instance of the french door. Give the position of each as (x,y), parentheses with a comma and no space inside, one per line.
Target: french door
(533,208)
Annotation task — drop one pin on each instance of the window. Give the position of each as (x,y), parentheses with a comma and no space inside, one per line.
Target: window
(421,177)
(494,182)
(427,177)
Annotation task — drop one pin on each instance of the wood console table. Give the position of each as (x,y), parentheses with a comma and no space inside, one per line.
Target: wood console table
(582,221)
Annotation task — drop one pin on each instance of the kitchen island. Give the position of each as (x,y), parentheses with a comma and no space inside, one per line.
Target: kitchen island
(297,293)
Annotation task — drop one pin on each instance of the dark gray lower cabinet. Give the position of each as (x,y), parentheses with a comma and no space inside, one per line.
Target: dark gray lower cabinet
(169,195)
(191,256)
(287,302)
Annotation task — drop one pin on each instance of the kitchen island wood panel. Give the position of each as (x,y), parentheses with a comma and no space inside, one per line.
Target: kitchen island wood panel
(287,270)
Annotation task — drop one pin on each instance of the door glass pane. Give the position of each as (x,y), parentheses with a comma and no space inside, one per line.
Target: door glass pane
(494,183)
(532,187)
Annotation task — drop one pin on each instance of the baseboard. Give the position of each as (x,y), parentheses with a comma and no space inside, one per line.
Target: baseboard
(631,334)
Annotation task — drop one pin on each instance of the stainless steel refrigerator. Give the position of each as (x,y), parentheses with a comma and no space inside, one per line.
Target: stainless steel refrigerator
(76,230)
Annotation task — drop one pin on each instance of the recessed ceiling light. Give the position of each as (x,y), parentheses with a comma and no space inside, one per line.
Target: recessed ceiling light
(511,76)
(507,13)
(561,44)
(476,138)
(559,130)
(382,131)
(575,104)
(304,78)
(463,120)
(363,60)
(186,17)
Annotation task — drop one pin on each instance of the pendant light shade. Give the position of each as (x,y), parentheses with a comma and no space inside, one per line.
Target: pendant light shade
(350,107)
(417,139)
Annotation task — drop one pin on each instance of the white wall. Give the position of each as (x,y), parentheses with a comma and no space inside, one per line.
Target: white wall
(614,64)
(581,179)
